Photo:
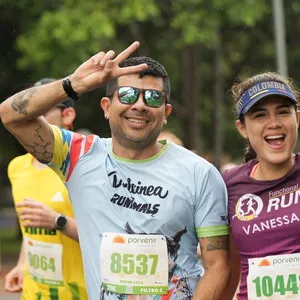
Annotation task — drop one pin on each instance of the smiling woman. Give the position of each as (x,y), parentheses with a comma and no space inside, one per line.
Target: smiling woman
(263,201)
(250,97)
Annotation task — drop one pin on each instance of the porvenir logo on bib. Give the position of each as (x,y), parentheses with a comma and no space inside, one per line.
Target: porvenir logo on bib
(248,207)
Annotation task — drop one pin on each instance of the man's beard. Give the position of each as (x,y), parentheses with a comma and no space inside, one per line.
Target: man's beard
(135,144)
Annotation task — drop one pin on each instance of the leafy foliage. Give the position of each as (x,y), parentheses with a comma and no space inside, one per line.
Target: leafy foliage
(51,37)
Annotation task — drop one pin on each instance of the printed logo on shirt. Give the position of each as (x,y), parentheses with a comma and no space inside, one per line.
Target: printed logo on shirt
(248,207)
(284,197)
(58,197)
(264,263)
(118,239)
(286,260)
(137,187)
(39,231)
(121,198)
(259,262)
(30,243)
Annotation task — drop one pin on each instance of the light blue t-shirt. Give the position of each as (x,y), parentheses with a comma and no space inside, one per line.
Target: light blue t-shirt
(176,193)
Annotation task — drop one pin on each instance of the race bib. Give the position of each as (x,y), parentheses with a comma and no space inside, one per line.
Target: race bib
(274,277)
(44,261)
(134,264)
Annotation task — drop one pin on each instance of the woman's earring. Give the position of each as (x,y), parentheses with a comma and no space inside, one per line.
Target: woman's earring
(165,122)
(106,116)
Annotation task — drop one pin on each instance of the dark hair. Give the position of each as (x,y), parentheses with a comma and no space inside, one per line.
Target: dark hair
(154,69)
(243,84)
(249,153)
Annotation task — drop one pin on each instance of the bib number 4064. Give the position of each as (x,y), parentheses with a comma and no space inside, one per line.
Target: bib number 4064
(140,264)
(267,286)
(41,262)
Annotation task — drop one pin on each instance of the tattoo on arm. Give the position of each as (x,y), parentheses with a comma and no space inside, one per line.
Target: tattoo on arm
(21,101)
(40,151)
(217,243)
(39,148)
(38,135)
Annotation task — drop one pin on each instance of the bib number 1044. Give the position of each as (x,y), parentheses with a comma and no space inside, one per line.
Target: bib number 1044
(268,286)
(140,264)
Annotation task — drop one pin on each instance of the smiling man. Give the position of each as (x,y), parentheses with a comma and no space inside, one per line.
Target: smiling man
(141,206)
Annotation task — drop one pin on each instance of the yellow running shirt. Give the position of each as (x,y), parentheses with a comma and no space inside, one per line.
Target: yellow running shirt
(54,268)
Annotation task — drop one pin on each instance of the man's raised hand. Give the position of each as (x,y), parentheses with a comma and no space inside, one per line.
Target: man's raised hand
(102,68)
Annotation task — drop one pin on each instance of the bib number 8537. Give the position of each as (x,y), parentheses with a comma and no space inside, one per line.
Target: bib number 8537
(140,264)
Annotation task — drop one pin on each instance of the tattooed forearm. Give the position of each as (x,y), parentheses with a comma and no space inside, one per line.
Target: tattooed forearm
(21,101)
(38,135)
(40,151)
(217,243)
(40,147)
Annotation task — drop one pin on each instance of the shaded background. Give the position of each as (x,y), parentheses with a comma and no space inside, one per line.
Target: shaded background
(204,44)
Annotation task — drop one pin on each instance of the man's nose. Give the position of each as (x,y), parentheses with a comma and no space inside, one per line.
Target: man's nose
(140,104)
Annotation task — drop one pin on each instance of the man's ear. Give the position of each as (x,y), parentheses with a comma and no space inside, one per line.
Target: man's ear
(105,105)
(68,117)
(168,109)
(241,129)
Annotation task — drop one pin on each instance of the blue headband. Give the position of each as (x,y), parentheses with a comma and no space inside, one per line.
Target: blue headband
(261,90)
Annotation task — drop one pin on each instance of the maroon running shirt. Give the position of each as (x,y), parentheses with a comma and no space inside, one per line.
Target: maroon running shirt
(264,215)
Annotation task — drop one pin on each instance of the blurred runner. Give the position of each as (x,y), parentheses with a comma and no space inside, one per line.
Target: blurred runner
(50,258)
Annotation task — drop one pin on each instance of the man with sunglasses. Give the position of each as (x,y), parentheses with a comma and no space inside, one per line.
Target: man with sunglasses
(50,240)
(141,206)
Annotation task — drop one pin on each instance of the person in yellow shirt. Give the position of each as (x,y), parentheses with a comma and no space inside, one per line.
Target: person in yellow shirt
(50,263)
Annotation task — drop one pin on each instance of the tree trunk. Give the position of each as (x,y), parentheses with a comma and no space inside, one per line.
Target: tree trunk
(218,101)
(190,96)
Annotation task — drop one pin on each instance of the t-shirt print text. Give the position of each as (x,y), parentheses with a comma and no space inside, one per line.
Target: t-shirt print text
(136,189)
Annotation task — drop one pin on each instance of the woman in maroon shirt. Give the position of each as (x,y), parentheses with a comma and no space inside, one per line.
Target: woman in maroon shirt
(264,193)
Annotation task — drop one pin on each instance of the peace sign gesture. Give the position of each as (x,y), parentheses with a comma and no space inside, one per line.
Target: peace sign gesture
(103,67)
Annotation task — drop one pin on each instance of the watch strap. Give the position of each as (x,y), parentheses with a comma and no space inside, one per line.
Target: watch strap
(67,86)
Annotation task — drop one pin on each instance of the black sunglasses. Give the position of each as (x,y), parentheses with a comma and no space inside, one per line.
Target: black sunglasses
(130,94)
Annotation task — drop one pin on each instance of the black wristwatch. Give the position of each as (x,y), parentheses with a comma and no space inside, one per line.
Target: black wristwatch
(60,222)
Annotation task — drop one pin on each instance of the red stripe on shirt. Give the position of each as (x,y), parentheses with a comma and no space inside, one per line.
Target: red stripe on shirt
(76,143)
(88,143)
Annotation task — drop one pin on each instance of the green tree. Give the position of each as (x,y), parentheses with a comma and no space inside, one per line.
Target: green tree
(204,45)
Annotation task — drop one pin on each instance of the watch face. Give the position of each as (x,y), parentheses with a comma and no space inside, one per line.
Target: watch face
(61,222)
